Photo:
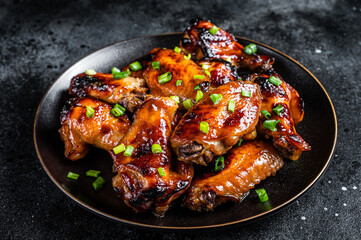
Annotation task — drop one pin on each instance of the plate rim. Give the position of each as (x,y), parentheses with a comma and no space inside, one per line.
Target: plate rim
(215,226)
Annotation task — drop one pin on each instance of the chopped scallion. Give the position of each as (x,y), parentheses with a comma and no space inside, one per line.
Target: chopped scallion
(178,83)
(161,172)
(216,98)
(231,105)
(115,70)
(90,72)
(118,149)
(199,95)
(271,124)
(93,173)
(156,148)
(250,49)
(262,194)
(155,65)
(197,87)
(219,165)
(275,81)
(89,111)
(213,30)
(239,143)
(266,114)
(177,50)
(278,109)
(246,93)
(188,104)
(166,77)
(118,110)
(120,75)
(135,66)
(175,98)
(72,175)
(128,151)
(188,57)
(198,76)
(98,184)
(207,72)
(204,127)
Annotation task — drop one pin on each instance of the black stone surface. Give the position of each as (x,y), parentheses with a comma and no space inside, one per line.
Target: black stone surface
(40,39)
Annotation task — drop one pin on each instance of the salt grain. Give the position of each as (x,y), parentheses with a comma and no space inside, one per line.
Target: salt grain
(345,204)
(344,188)
(318,50)
(354,187)
(329,181)
(303,218)
(336,214)
(325,208)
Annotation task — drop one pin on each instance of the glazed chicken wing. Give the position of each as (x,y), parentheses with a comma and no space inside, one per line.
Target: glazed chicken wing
(244,167)
(220,70)
(284,136)
(180,69)
(78,131)
(225,127)
(140,180)
(201,43)
(129,92)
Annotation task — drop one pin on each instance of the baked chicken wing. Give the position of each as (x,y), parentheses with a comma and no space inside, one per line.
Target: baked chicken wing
(244,167)
(129,91)
(225,127)
(147,179)
(78,131)
(220,71)
(201,43)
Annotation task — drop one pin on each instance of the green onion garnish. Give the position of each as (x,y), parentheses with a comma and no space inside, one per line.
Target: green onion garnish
(93,173)
(229,59)
(275,81)
(207,72)
(118,149)
(161,172)
(198,76)
(115,70)
(72,175)
(177,50)
(120,75)
(219,165)
(118,110)
(128,151)
(250,49)
(278,109)
(178,83)
(175,98)
(205,66)
(246,93)
(166,77)
(239,142)
(98,184)
(271,124)
(155,65)
(135,66)
(90,72)
(262,194)
(204,127)
(89,111)
(216,98)
(199,96)
(231,105)
(197,87)
(266,114)
(240,79)
(156,148)
(188,56)
(188,104)
(213,30)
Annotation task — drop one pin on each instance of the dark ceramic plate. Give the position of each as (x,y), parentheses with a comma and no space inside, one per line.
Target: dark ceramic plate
(319,129)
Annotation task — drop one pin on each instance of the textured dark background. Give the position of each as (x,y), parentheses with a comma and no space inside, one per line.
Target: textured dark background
(40,39)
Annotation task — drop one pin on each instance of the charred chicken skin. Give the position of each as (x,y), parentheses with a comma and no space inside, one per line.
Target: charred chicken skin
(225,127)
(179,68)
(139,178)
(129,92)
(78,131)
(284,136)
(244,167)
(201,43)
(220,71)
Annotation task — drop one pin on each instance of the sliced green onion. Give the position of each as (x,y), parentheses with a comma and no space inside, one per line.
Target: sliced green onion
(197,87)
(207,72)
(155,65)
(231,105)
(161,172)
(188,104)
(216,98)
(128,151)
(89,111)
(278,109)
(266,114)
(275,81)
(219,165)
(271,124)
(118,149)
(90,72)
(118,110)
(205,66)
(115,70)
(156,148)
(199,96)
(93,173)
(188,57)
(120,75)
(239,142)
(240,79)
(198,76)
(177,50)
(98,184)
(213,30)
(178,83)
(166,77)
(72,175)
(204,127)
(135,66)
(246,93)
(229,59)
(250,49)
(175,98)
(262,194)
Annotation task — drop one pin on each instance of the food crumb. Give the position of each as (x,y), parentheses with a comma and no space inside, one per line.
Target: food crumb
(303,218)
(325,208)
(336,214)
(318,50)
(344,188)
(329,181)
(345,204)
(354,8)
(354,187)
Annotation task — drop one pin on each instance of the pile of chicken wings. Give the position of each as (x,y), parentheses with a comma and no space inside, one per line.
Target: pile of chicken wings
(206,122)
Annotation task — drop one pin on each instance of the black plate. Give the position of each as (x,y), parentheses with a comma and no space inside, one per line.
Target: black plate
(319,129)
